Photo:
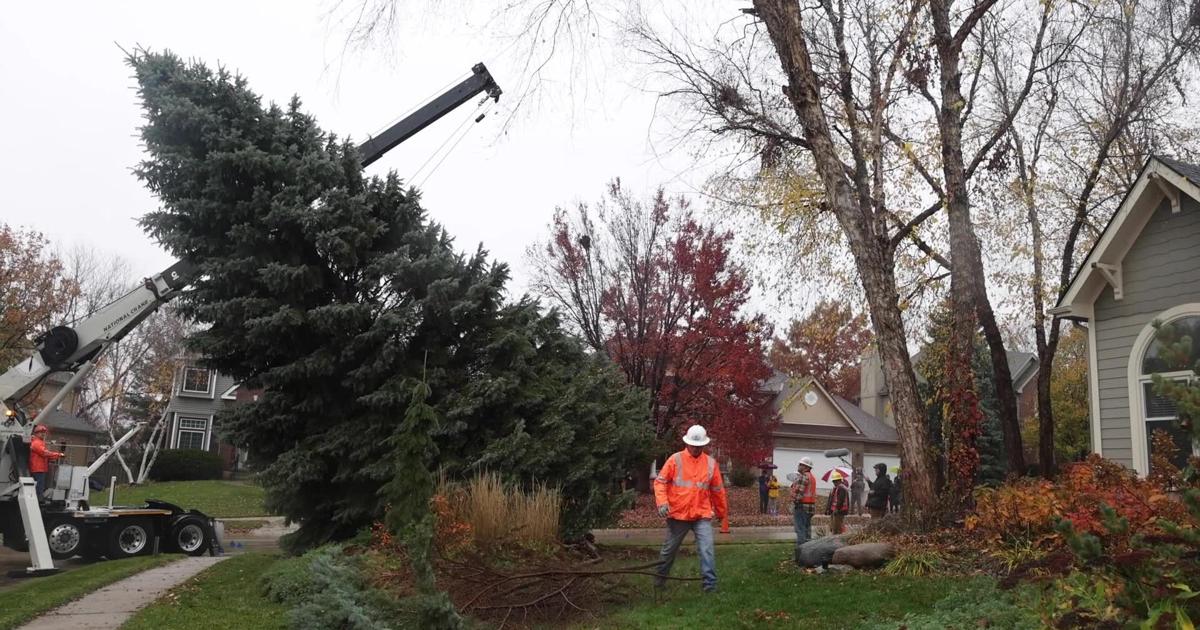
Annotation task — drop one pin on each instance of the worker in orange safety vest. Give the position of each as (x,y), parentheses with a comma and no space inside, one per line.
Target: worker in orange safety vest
(40,457)
(690,493)
(804,502)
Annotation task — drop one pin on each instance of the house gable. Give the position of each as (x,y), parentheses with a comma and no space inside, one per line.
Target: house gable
(1162,182)
(795,409)
(1145,267)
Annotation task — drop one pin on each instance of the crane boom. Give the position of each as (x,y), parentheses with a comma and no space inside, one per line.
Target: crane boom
(64,348)
(480,81)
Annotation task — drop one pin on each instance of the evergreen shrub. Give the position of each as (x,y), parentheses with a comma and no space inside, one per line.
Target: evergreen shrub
(743,477)
(325,588)
(186,465)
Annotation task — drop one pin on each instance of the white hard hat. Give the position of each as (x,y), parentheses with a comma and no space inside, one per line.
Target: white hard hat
(696,436)
(807,461)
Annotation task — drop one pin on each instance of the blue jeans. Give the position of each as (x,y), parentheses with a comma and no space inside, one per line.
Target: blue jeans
(802,522)
(676,532)
(40,480)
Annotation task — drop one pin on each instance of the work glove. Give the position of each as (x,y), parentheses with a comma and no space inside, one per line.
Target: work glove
(725,525)
(664,510)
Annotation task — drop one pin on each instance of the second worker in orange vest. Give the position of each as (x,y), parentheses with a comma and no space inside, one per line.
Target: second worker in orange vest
(804,501)
(690,493)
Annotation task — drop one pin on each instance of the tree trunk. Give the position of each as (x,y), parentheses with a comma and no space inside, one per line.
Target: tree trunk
(1048,464)
(920,489)
(1045,347)
(865,228)
(966,277)
(1006,394)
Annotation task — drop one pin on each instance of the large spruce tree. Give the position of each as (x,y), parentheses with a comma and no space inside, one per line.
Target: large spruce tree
(336,294)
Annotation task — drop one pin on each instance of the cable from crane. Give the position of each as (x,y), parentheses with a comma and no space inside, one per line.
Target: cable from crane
(441,146)
(457,135)
(421,103)
(472,118)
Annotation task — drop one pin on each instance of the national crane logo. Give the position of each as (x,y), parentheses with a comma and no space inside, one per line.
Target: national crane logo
(134,310)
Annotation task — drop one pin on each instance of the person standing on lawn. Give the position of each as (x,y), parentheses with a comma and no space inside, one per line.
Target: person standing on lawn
(897,496)
(690,493)
(804,501)
(839,503)
(857,486)
(773,496)
(764,483)
(881,491)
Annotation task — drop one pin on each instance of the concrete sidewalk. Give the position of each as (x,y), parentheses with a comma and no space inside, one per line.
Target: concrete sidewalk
(114,604)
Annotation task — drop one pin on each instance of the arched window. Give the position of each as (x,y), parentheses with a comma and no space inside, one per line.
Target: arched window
(1172,353)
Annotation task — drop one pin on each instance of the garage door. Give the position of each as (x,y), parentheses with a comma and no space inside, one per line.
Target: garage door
(787,459)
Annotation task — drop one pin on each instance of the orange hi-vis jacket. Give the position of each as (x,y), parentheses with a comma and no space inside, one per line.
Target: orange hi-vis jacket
(39,456)
(691,487)
(807,490)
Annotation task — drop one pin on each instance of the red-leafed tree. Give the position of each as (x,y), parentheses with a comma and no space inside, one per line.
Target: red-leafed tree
(657,291)
(827,344)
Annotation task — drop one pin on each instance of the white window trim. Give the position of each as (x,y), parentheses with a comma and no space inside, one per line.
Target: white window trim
(1094,387)
(231,393)
(1135,378)
(208,423)
(212,382)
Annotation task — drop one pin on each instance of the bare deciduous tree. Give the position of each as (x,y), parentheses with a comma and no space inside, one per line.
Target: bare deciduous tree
(1121,96)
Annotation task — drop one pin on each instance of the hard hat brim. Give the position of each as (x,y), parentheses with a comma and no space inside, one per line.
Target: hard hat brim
(695,442)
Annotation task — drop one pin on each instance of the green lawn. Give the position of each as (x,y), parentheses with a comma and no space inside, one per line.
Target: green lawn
(761,588)
(29,598)
(229,499)
(226,595)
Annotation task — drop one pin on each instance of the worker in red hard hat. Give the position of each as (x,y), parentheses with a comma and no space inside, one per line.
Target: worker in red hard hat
(40,457)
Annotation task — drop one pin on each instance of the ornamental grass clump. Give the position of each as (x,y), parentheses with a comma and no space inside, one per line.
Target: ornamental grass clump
(496,515)
(915,562)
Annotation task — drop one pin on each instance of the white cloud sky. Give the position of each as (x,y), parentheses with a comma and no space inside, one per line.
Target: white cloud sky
(71,115)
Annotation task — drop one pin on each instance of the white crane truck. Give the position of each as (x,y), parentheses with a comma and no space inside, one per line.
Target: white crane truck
(70,524)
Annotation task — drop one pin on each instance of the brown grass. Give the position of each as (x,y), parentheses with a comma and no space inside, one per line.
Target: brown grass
(503,515)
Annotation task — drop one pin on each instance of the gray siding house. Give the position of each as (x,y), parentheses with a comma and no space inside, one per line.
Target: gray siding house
(198,394)
(1144,268)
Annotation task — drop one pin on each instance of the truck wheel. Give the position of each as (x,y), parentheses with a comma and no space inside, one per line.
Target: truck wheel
(191,535)
(132,537)
(65,537)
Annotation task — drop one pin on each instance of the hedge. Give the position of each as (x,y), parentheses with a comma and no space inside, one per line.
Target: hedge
(186,465)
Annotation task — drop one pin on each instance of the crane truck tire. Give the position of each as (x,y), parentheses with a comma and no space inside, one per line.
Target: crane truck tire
(66,537)
(191,535)
(130,537)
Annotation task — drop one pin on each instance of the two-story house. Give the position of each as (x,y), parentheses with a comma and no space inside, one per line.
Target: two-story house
(198,395)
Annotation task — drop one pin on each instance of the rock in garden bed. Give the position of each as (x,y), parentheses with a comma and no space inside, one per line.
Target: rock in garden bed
(865,555)
(819,552)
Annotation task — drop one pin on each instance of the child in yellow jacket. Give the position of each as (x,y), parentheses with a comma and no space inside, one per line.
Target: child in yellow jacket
(773,496)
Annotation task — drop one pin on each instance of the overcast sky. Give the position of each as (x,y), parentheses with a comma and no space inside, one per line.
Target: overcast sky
(71,113)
